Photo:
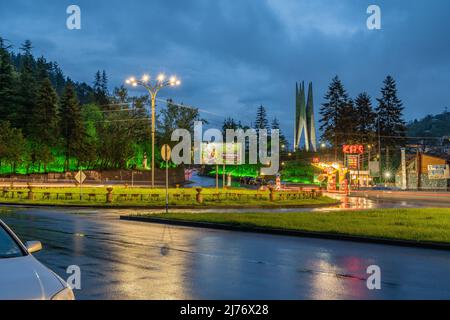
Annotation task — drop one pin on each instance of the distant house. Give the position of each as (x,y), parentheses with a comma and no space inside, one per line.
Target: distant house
(425,172)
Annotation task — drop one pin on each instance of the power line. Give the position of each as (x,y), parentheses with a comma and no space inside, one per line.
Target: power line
(386,136)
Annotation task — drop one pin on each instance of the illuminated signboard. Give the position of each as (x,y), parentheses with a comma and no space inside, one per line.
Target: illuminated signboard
(353,162)
(353,149)
(218,153)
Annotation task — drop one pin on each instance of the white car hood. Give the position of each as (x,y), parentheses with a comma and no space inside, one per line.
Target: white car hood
(25,278)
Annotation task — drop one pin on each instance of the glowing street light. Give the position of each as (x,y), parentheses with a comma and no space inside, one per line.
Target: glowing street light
(161,77)
(153,88)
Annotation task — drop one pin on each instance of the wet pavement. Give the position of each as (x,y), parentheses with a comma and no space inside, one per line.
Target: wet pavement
(132,260)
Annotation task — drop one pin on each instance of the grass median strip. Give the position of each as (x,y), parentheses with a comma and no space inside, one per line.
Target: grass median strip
(148,197)
(422,225)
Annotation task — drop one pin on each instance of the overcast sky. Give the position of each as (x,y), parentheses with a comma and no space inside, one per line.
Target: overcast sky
(234,55)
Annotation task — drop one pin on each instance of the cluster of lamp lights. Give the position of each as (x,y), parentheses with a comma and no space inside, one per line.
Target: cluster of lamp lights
(160,81)
(153,87)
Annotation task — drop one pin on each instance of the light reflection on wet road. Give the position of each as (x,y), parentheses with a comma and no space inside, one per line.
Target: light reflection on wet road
(131,260)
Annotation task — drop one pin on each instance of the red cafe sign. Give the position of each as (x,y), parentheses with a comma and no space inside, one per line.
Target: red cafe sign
(353,149)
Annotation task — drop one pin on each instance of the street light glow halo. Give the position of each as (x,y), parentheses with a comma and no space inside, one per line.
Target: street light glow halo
(161,77)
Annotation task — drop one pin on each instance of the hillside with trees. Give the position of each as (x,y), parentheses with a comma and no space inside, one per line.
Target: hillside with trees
(51,123)
(431,126)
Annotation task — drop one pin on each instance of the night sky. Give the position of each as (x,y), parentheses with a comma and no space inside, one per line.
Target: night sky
(234,55)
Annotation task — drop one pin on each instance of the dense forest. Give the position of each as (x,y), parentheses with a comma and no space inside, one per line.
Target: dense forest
(50,122)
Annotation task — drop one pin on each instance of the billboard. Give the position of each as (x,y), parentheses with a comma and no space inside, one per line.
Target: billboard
(219,153)
(374,168)
(438,171)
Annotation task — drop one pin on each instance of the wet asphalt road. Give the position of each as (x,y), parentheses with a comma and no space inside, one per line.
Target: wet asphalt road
(132,260)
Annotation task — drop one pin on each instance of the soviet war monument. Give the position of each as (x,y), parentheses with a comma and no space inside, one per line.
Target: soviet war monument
(304,118)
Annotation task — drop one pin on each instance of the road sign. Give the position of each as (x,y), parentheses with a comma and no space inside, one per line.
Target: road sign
(80,177)
(166,152)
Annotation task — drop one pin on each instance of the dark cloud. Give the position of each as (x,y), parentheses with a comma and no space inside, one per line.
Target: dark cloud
(234,55)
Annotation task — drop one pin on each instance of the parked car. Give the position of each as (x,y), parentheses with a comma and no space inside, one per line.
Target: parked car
(22,276)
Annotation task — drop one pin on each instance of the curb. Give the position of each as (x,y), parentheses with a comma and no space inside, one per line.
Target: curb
(295,233)
(389,197)
(289,206)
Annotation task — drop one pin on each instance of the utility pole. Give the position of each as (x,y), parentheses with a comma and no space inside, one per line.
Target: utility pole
(223,175)
(217,176)
(359,164)
(335,146)
(379,147)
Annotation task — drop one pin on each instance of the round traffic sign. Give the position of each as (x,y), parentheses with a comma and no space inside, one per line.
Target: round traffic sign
(166,152)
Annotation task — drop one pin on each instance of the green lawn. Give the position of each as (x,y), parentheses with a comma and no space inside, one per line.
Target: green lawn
(407,224)
(140,197)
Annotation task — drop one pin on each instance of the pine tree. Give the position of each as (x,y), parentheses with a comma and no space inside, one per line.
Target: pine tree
(101,89)
(84,93)
(365,118)
(392,128)
(8,101)
(336,122)
(27,90)
(71,124)
(43,69)
(97,82)
(283,140)
(45,115)
(57,78)
(44,125)
(104,83)
(261,121)
(348,124)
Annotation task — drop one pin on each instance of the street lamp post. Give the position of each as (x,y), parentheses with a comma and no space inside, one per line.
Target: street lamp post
(153,88)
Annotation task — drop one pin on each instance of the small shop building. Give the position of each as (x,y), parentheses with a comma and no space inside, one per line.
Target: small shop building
(425,172)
